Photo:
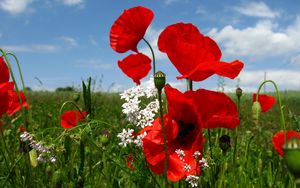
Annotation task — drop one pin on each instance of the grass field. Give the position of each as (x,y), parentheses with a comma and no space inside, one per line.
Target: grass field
(89,155)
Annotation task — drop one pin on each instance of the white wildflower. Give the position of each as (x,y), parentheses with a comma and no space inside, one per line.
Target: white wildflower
(126,137)
(187,167)
(180,154)
(203,163)
(52,159)
(197,154)
(139,139)
(192,180)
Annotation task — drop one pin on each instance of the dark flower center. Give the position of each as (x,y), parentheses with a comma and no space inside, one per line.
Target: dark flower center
(184,129)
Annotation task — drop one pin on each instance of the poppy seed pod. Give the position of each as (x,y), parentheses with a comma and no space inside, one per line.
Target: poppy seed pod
(256,109)
(159,80)
(292,156)
(76,97)
(238,92)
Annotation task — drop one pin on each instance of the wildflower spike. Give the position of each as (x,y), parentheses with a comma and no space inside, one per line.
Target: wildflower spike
(159,80)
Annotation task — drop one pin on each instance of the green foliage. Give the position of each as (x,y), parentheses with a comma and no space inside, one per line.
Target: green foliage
(89,155)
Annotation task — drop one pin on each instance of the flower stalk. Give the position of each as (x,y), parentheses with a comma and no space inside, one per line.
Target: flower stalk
(152,52)
(160,81)
(282,120)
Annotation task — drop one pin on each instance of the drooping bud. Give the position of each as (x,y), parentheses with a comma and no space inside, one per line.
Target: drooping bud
(224,143)
(256,110)
(159,80)
(76,97)
(238,92)
(292,156)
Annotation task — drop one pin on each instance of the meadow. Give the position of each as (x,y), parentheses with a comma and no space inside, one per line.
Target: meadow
(152,134)
(104,162)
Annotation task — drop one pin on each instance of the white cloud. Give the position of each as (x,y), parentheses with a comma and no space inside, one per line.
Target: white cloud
(296,60)
(285,79)
(69,41)
(15,6)
(262,40)
(152,37)
(257,9)
(73,2)
(31,48)
(94,63)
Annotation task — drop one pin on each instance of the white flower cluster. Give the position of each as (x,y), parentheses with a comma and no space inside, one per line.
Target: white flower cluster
(126,136)
(180,154)
(38,146)
(140,116)
(137,115)
(192,180)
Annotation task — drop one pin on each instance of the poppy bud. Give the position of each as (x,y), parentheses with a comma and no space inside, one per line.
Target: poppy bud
(224,143)
(159,80)
(76,97)
(238,92)
(256,109)
(292,156)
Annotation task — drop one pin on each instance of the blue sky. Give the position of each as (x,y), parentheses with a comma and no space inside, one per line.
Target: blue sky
(61,42)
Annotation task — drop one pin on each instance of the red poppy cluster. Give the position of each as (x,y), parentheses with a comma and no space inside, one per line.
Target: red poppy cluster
(188,113)
(125,34)
(196,57)
(70,119)
(9,101)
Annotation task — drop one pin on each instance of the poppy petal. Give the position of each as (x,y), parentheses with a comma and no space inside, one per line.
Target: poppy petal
(266,101)
(194,55)
(70,119)
(4,76)
(203,71)
(135,66)
(278,140)
(4,97)
(130,28)
(14,103)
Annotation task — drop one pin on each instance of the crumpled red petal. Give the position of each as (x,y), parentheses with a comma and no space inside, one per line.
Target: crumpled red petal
(135,66)
(194,55)
(130,28)
(70,119)
(4,76)
(14,103)
(266,101)
(4,97)
(278,140)
(216,109)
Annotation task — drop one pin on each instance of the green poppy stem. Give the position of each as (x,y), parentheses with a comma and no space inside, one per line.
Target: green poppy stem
(282,120)
(152,52)
(189,84)
(164,136)
(236,131)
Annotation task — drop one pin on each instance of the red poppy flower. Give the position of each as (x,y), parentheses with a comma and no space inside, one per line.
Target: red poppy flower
(130,28)
(194,55)
(136,66)
(188,113)
(266,101)
(278,140)
(70,119)
(4,76)
(130,161)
